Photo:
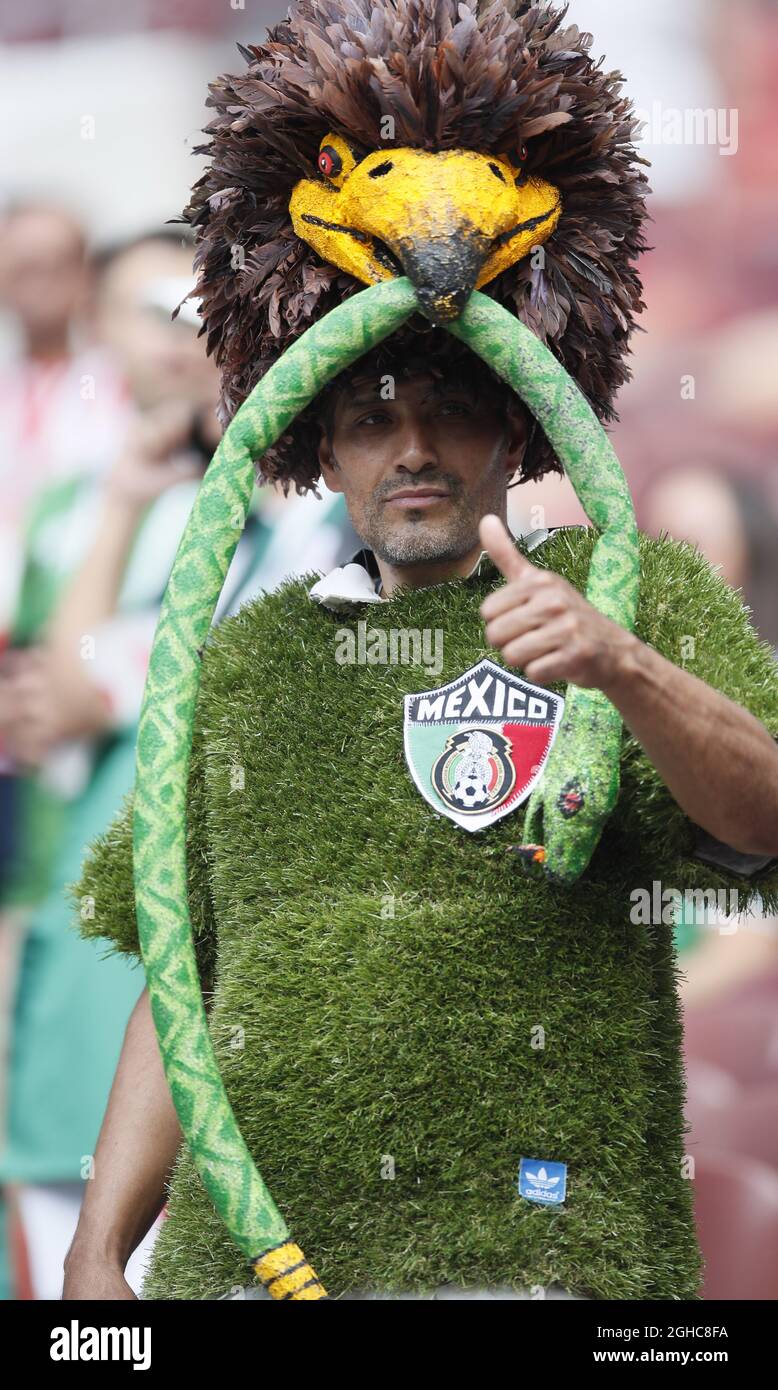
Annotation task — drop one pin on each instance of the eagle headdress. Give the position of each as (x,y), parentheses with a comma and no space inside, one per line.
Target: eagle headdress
(462,144)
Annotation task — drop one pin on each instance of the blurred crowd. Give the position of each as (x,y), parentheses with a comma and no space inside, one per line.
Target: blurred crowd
(107,424)
(698,439)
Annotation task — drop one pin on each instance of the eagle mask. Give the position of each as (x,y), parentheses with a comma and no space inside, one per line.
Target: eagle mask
(461,144)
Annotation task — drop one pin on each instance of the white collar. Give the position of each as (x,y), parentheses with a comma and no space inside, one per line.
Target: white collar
(359,579)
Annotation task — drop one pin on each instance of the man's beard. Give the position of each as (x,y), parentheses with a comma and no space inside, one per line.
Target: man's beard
(420,540)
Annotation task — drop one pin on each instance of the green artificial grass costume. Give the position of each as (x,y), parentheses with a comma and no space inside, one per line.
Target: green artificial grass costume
(375,974)
(580,775)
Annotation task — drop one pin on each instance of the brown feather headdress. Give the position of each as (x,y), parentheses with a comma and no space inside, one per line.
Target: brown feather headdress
(453,74)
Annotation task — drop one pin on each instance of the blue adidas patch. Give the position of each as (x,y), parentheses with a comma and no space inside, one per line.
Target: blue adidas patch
(542,1181)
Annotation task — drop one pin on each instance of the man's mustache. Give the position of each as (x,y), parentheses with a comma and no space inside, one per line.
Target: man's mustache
(452,485)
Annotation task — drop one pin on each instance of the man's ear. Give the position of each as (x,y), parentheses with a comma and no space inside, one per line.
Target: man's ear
(327,463)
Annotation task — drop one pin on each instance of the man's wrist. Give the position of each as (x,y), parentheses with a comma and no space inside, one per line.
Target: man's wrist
(98,1244)
(630,667)
(121,505)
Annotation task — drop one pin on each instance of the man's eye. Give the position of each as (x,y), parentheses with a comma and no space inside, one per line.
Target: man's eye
(455,408)
(376,416)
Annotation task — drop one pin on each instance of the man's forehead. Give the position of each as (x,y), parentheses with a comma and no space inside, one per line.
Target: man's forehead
(386,385)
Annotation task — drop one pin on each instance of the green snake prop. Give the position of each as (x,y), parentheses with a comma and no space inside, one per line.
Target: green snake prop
(567,808)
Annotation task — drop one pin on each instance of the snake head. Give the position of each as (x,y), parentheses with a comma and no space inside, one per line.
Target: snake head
(577,792)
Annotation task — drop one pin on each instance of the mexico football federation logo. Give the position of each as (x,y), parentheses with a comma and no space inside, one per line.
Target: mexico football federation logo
(477,746)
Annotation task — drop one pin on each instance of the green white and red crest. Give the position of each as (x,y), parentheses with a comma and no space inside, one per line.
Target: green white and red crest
(477,746)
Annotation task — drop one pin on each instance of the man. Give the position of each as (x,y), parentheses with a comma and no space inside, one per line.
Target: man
(407,1024)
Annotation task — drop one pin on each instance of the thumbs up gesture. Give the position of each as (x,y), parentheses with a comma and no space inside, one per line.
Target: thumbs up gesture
(540,623)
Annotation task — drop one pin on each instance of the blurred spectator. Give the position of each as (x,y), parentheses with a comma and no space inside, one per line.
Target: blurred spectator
(61,413)
(61,402)
(99,552)
(62,408)
(730,520)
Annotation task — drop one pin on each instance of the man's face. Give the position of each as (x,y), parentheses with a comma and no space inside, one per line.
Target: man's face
(419,471)
(160,359)
(43,275)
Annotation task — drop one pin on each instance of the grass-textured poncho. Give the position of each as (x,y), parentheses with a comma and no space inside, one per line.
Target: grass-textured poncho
(376,975)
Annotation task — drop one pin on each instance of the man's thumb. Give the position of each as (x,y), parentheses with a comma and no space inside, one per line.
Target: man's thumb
(501,548)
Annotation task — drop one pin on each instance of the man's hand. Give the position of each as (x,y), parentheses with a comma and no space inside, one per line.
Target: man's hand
(50,706)
(728,785)
(155,455)
(540,623)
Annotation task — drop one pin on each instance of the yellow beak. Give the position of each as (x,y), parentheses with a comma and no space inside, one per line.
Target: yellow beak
(450,221)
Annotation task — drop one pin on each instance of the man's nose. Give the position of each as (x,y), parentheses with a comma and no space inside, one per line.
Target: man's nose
(417,450)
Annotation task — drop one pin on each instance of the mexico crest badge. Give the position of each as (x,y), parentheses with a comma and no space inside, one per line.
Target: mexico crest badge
(477,746)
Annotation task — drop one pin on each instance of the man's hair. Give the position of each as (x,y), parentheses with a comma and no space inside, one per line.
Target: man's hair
(105,256)
(21,207)
(404,356)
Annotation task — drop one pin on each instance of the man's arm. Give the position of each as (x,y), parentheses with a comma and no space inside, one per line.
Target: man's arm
(151,461)
(58,695)
(717,760)
(138,1142)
